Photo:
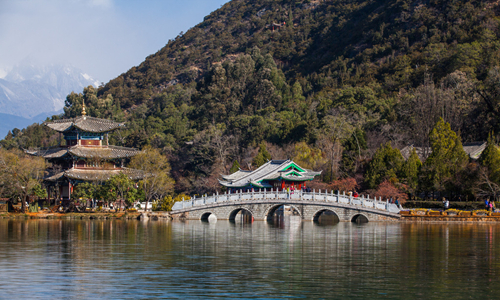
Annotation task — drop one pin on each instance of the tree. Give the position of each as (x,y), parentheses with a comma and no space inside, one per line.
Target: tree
(411,170)
(420,109)
(155,168)
(385,165)
(307,157)
(124,187)
(345,184)
(489,173)
(166,203)
(352,154)
(21,174)
(84,190)
(447,159)
(7,159)
(490,159)
(235,167)
(262,156)
(337,128)
(389,190)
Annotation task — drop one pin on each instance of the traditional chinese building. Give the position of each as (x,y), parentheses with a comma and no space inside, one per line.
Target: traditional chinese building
(473,150)
(277,174)
(85,154)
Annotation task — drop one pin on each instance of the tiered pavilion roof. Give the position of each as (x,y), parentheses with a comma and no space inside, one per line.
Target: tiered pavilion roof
(85,157)
(274,173)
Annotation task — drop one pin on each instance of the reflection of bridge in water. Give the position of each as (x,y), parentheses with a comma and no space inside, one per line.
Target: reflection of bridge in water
(266,205)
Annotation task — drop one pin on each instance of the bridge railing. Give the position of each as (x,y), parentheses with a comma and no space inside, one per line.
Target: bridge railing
(283,195)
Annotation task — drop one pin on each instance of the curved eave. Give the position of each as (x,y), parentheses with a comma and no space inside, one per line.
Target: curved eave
(84,123)
(230,184)
(99,153)
(272,177)
(312,173)
(98,131)
(301,178)
(55,177)
(236,175)
(95,175)
(51,153)
(101,175)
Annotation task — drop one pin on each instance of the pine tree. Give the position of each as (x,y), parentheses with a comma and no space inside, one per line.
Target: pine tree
(235,167)
(385,165)
(262,157)
(411,170)
(490,159)
(447,159)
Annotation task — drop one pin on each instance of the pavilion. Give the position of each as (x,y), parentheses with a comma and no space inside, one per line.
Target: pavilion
(85,155)
(277,174)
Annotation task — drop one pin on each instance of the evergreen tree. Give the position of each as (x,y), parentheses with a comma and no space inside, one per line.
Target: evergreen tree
(490,159)
(447,159)
(262,157)
(385,165)
(411,170)
(235,167)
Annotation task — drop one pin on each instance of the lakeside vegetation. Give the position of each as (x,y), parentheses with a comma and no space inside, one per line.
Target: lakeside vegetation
(340,87)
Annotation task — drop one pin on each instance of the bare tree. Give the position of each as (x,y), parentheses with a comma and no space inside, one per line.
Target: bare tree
(339,126)
(421,108)
(486,187)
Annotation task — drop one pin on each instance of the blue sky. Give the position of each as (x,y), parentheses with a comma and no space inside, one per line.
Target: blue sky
(104,38)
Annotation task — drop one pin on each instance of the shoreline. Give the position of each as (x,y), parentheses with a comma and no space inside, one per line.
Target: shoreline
(166,215)
(88,216)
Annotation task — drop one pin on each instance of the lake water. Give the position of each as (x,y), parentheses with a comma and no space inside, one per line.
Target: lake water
(66,259)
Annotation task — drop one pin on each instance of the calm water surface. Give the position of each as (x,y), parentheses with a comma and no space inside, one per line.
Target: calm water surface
(64,259)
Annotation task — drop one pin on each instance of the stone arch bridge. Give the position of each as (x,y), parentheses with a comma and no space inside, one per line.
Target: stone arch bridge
(262,205)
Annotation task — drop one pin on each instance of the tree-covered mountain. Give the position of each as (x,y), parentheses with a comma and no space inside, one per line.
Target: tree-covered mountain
(324,82)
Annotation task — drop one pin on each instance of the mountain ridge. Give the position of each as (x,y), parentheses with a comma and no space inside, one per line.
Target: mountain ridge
(29,89)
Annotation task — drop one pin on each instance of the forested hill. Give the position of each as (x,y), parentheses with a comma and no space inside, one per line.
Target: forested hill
(325,82)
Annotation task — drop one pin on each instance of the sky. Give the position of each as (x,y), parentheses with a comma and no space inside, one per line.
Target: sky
(104,38)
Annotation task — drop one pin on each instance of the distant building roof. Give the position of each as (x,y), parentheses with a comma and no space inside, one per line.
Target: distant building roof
(272,170)
(422,152)
(473,149)
(106,152)
(95,174)
(109,152)
(56,152)
(84,123)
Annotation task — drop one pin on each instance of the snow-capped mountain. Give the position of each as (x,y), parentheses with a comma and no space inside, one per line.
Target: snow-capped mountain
(29,90)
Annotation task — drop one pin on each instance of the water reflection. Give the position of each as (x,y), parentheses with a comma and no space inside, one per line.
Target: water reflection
(120,259)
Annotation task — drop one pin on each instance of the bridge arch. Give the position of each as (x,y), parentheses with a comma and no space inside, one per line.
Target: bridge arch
(360,218)
(333,217)
(272,209)
(246,213)
(204,217)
